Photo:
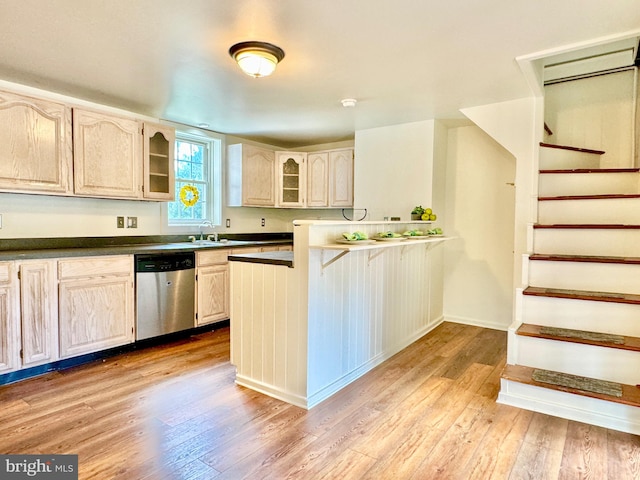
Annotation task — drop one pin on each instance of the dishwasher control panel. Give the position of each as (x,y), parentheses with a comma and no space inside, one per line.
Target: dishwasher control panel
(165,263)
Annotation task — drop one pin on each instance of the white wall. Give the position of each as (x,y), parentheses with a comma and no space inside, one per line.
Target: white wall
(595,112)
(478,287)
(394,169)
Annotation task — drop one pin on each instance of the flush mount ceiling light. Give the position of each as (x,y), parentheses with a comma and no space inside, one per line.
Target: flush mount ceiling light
(349,102)
(257,59)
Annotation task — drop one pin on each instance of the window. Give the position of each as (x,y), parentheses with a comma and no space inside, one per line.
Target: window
(198,185)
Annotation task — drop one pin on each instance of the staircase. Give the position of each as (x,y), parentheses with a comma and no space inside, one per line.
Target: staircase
(574,349)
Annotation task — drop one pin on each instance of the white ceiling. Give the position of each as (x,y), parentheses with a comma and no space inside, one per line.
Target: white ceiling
(403,60)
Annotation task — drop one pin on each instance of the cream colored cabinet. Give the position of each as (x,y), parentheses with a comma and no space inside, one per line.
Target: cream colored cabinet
(212,292)
(330,178)
(341,178)
(107,155)
(28,313)
(96,303)
(159,171)
(38,311)
(250,176)
(9,318)
(35,145)
(318,179)
(291,179)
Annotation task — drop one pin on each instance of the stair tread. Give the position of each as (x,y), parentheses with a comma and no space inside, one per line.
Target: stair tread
(621,342)
(573,149)
(583,295)
(608,196)
(522,374)
(594,226)
(584,258)
(589,170)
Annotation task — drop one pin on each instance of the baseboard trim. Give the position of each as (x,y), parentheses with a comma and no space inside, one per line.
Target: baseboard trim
(588,410)
(477,322)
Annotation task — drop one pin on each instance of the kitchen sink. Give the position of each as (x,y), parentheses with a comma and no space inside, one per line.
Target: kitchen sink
(219,243)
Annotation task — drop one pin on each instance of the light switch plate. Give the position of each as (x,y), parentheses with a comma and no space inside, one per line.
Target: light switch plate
(0,220)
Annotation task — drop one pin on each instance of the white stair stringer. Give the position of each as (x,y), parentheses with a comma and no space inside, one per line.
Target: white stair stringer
(592,183)
(593,411)
(590,211)
(590,276)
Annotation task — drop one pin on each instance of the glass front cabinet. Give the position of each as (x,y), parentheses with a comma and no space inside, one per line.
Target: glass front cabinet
(292,177)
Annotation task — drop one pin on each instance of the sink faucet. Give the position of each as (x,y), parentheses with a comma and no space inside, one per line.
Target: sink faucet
(206,223)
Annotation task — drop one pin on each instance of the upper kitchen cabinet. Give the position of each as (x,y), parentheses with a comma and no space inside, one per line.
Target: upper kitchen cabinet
(107,155)
(341,178)
(318,179)
(159,172)
(292,179)
(35,145)
(330,178)
(250,176)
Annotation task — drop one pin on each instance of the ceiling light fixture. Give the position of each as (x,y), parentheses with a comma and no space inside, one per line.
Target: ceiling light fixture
(257,59)
(349,102)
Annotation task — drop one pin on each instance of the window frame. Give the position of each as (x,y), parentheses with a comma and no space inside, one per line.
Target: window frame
(213,152)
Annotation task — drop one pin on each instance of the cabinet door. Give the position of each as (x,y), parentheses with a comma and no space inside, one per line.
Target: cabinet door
(213,294)
(35,145)
(107,155)
(318,179)
(292,179)
(9,319)
(38,312)
(341,178)
(159,170)
(258,173)
(95,303)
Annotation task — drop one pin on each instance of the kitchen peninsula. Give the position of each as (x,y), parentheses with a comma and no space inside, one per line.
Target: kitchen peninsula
(303,329)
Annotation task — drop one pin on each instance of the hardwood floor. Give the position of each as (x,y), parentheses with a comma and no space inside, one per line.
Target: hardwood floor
(174,412)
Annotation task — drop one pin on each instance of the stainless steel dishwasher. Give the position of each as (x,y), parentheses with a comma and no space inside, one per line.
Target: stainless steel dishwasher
(165,293)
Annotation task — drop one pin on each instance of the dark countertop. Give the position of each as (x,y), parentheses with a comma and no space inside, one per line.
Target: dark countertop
(20,249)
(268,258)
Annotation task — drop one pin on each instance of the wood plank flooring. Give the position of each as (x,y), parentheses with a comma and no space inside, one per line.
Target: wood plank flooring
(174,412)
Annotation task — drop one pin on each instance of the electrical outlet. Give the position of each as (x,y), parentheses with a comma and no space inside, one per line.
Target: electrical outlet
(120,222)
(262,222)
(132,222)
(228,222)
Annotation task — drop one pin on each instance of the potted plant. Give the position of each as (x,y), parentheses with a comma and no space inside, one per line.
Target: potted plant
(416,213)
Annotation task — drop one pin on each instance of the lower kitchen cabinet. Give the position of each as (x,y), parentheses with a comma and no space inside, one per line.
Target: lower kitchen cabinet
(9,314)
(96,296)
(38,311)
(28,314)
(212,291)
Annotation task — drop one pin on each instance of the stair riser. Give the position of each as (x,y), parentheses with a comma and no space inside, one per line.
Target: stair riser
(556,158)
(583,409)
(555,184)
(592,211)
(604,242)
(604,317)
(594,277)
(577,359)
